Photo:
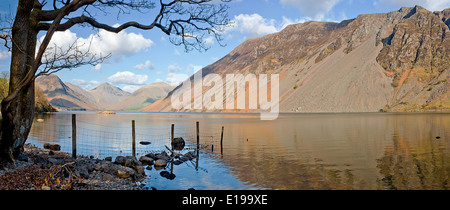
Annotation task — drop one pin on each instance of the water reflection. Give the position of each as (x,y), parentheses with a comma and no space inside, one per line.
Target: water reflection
(353,151)
(296,151)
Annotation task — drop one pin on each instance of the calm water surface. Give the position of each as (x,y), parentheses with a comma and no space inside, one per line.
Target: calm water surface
(296,151)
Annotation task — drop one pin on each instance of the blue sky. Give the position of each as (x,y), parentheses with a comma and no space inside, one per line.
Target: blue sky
(144,57)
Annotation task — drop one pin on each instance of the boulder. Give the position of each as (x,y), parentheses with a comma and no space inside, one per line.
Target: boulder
(125,173)
(178,143)
(54,147)
(120,160)
(160,163)
(146,160)
(118,170)
(140,170)
(163,156)
(151,155)
(131,162)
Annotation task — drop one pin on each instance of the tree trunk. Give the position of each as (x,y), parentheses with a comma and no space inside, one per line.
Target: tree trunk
(18,112)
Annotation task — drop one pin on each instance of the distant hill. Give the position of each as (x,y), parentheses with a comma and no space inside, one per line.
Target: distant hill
(67,96)
(107,95)
(144,97)
(396,61)
(63,95)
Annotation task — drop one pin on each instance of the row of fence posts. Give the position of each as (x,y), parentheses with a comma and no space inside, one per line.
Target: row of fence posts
(133,134)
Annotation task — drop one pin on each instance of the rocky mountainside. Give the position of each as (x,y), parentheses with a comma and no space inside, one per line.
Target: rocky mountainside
(144,97)
(107,95)
(396,61)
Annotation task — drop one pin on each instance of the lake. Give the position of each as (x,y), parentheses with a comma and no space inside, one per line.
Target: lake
(296,151)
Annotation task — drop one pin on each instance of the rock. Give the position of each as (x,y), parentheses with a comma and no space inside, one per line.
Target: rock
(131,162)
(120,160)
(45,188)
(167,175)
(55,161)
(40,120)
(124,174)
(108,158)
(118,170)
(83,172)
(22,157)
(146,160)
(163,156)
(160,163)
(151,155)
(54,147)
(177,162)
(178,143)
(188,156)
(140,170)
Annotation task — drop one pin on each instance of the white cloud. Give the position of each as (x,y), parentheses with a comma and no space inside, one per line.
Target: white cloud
(177,52)
(287,21)
(147,65)
(209,41)
(431,5)
(87,85)
(174,68)
(316,9)
(4,55)
(192,69)
(253,25)
(176,79)
(101,44)
(97,67)
(127,78)
(131,88)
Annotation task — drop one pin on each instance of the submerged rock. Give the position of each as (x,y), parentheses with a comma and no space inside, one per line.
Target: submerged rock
(167,175)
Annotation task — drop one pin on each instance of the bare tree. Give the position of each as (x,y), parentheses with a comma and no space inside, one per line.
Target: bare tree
(186,22)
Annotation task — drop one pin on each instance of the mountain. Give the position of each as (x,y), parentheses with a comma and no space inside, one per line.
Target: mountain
(144,97)
(67,96)
(107,95)
(64,95)
(396,61)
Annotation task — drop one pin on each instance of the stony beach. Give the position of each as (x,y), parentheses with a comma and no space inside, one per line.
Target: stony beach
(44,169)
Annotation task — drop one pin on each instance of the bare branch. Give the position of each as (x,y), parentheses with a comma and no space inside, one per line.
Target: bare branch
(57,58)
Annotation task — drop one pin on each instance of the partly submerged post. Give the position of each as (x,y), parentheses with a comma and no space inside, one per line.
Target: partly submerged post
(133,134)
(172,135)
(74,136)
(198,145)
(198,135)
(221,142)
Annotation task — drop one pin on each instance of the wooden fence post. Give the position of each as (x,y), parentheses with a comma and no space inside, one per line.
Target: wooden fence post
(198,135)
(133,134)
(74,136)
(172,130)
(221,142)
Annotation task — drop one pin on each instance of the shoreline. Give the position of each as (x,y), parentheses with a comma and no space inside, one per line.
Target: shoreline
(44,169)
